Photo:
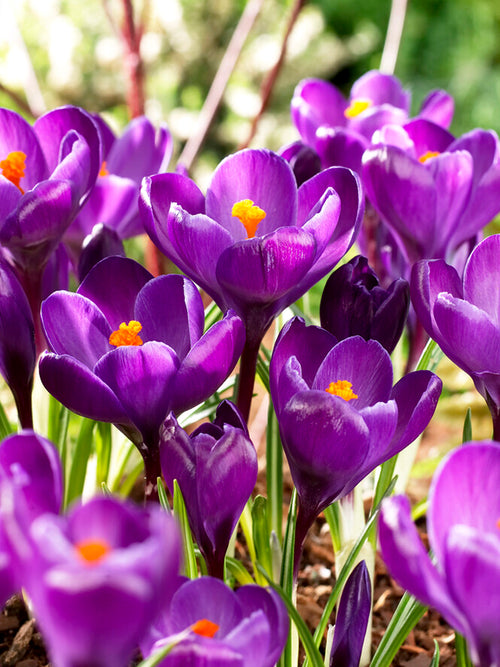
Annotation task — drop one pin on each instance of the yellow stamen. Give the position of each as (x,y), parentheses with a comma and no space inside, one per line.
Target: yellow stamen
(205,628)
(357,106)
(427,155)
(127,334)
(498,523)
(341,388)
(92,551)
(103,170)
(249,215)
(13,167)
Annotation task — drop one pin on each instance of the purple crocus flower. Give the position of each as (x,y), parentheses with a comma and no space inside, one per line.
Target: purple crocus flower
(435,192)
(98,578)
(216,468)
(339,415)
(31,484)
(140,151)
(463,583)
(128,349)
(256,243)
(463,316)
(218,627)
(17,343)
(353,303)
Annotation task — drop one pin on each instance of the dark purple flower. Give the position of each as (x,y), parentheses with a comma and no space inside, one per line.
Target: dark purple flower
(98,578)
(31,484)
(140,151)
(354,304)
(303,160)
(128,349)
(216,469)
(17,343)
(221,627)
(352,618)
(339,415)
(463,583)
(102,242)
(463,316)
(435,192)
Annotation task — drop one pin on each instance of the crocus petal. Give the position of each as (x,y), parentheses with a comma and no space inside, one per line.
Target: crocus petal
(74,325)
(457,498)
(259,175)
(80,390)
(113,286)
(75,165)
(363,363)
(481,287)
(369,121)
(427,136)
(352,619)
(17,135)
(141,377)
(208,363)
(315,103)
(339,146)
(438,107)
(100,243)
(251,638)
(409,563)
(170,310)
(381,88)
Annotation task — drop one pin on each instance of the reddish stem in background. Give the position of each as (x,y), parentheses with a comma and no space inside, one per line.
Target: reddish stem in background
(134,66)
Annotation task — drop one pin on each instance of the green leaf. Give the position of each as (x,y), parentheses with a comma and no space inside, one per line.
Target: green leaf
(162,495)
(430,357)
(286,575)
(332,516)
(274,474)
(238,571)
(103,451)
(260,533)
(467,430)
(158,656)
(190,566)
(435,657)
(462,652)
(6,428)
(79,462)
(57,432)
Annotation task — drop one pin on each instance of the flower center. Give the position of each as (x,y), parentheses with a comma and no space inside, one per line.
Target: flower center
(341,388)
(103,171)
(127,334)
(249,215)
(357,106)
(427,155)
(92,551)
(13,167)
(205,628)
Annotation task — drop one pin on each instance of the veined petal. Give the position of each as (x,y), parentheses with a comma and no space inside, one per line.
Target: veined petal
(16,134)
(381,89)
(316,102)
(481,280)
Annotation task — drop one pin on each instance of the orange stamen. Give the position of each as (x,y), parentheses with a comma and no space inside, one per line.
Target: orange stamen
(103,170)
(356,107)
(249,215)
(341,388)
(13,167)
(127,334)
(205,628)
(92,551)
(498,523)
(427,155)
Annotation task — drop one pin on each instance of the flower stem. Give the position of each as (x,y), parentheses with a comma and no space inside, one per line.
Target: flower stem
(152,470)
(305,519)
(248,367)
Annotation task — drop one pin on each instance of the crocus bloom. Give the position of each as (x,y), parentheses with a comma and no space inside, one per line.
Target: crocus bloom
(435,192)
(463,583)
(140,151)
(128,349)
(224,628)
(463,316)
(17,343)
(339,414)
(340,129)
(216,468)
(98,578)
(353,303)
(31,483)
(256,243)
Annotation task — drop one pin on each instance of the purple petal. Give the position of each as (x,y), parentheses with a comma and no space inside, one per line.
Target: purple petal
(74,325)
(428,136)
(102,242)
(75,165)
(259,175)
(170,310)
(113,285)
(142,379)
(208,363)
(340,147)
(315,103)
(252,638)
(481,285)
(438,107)
(17,135)
(365,364)
(381,88)
(375,117)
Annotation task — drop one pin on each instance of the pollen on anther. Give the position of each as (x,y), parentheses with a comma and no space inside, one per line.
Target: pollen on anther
(341,388)
(427,156)
(356,107)
(205,628)
(92,551)
(13,167)
(249,215)
(103,171)
(127,334)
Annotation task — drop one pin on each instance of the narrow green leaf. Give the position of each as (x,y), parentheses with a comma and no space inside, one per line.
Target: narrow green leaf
(405,618)
(467,430)
(286,574)
(6,428)
(128,483)
(260,533)
(274,474)
(58,420)
(158,656)
(435,657)
(263,371)
(103,451)
(419,509)
(462,652)
(238,571)
(162,495)
(332,516)
(79,462)
(430,357)
(190,566)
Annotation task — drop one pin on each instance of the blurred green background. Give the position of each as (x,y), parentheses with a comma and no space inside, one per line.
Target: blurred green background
(55,52)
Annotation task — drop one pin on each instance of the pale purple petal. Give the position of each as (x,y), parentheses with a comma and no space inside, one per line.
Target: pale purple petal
(381,88)
(438,107)
(481,285)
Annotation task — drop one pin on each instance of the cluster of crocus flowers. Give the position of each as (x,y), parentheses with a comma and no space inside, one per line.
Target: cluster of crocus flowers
(339,414)
(463,582)
(129,349)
